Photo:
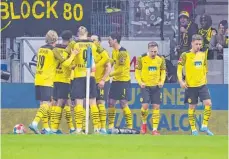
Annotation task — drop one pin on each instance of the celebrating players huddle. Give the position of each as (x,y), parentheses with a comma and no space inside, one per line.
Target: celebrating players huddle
(60,83)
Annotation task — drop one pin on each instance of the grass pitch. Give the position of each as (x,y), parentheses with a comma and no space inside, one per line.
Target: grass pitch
(114,147)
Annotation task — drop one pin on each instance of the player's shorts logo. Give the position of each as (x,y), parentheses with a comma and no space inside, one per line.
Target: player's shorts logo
(189,100)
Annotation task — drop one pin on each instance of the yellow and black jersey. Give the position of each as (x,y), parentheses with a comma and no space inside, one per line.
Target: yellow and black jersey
(150,71)
(63,72)
(46,66)
(207,35)
(195,65)
(80,60)
(121,62)
(101,59)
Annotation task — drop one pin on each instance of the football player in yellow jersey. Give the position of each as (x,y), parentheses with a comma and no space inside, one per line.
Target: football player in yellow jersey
(79,82)
(103,68)
(150,74)
(194,62)
(62,86)
(120,86)
(47,56)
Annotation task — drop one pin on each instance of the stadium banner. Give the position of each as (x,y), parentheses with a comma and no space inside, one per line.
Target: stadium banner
(29,47)
(36,17)
(174,119)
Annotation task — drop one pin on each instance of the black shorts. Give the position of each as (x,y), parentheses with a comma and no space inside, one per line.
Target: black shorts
(61,90)
(79,88)
(43,93)
(151,95)
(119,90)
(102,94)
(71,88)
(193,93)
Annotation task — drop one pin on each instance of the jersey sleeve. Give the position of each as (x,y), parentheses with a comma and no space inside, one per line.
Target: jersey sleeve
(182,59)
(57,55)
(70,46)
(163,64)
(122,57)
(138,63)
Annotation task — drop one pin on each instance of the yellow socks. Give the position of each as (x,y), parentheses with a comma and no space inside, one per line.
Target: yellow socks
(41,113)
(144,115)
(155,118)
(56,118)
(111,116)
(95,116)
(102,115)
(79,114)
(128,116)
(191,118)
(68,117)
(207,114)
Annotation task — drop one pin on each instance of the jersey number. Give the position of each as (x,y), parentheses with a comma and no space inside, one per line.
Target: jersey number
(41,61)
(85,55)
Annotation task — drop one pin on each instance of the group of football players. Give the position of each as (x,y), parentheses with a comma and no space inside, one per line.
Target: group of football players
(60,83)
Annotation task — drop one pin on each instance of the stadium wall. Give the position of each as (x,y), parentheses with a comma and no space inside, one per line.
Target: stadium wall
(19,106)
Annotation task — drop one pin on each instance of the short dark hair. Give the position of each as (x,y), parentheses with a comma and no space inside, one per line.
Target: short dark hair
(99,38)
(116,36)
(224,23)
(197,37)
(152,44)
(66,35)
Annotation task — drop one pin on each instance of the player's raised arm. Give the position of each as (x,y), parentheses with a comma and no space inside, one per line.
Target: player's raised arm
(181,64)
(68,61)
(138,72)
(163,72)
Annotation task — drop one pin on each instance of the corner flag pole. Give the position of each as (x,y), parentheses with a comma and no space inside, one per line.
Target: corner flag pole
(89,64)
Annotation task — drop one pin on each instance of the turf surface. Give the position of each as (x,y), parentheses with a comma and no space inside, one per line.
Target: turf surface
(114,147)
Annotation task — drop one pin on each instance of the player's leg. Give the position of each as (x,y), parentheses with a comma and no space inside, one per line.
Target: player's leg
(123,94)
(43,94)
(156,101)
(205,97)
(101,100)
(145,100)
(68,115)
(78,94)
(111,105)
(57,114)
(191,97)
(93,106)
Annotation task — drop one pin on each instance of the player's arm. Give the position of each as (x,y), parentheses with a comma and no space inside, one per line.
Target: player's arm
(104,60)
(181,64)
(206,61)
(122,58)
(57,55)
(70,46)
(163,71)
(69,61)
(138,70)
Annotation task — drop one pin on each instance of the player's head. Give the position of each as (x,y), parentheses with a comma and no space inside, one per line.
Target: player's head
(184,18)
(66,35)
(82,32)
(96,39)
(114,39)
(152,49)
(205,21)
(197,41)
(51,37)
(223,26)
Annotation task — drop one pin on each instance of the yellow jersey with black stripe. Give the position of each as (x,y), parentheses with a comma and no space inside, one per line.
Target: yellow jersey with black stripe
(46,66)
(121,62)
(150,70)
(80,60)
(63,73)
(101,59)
(195,65)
